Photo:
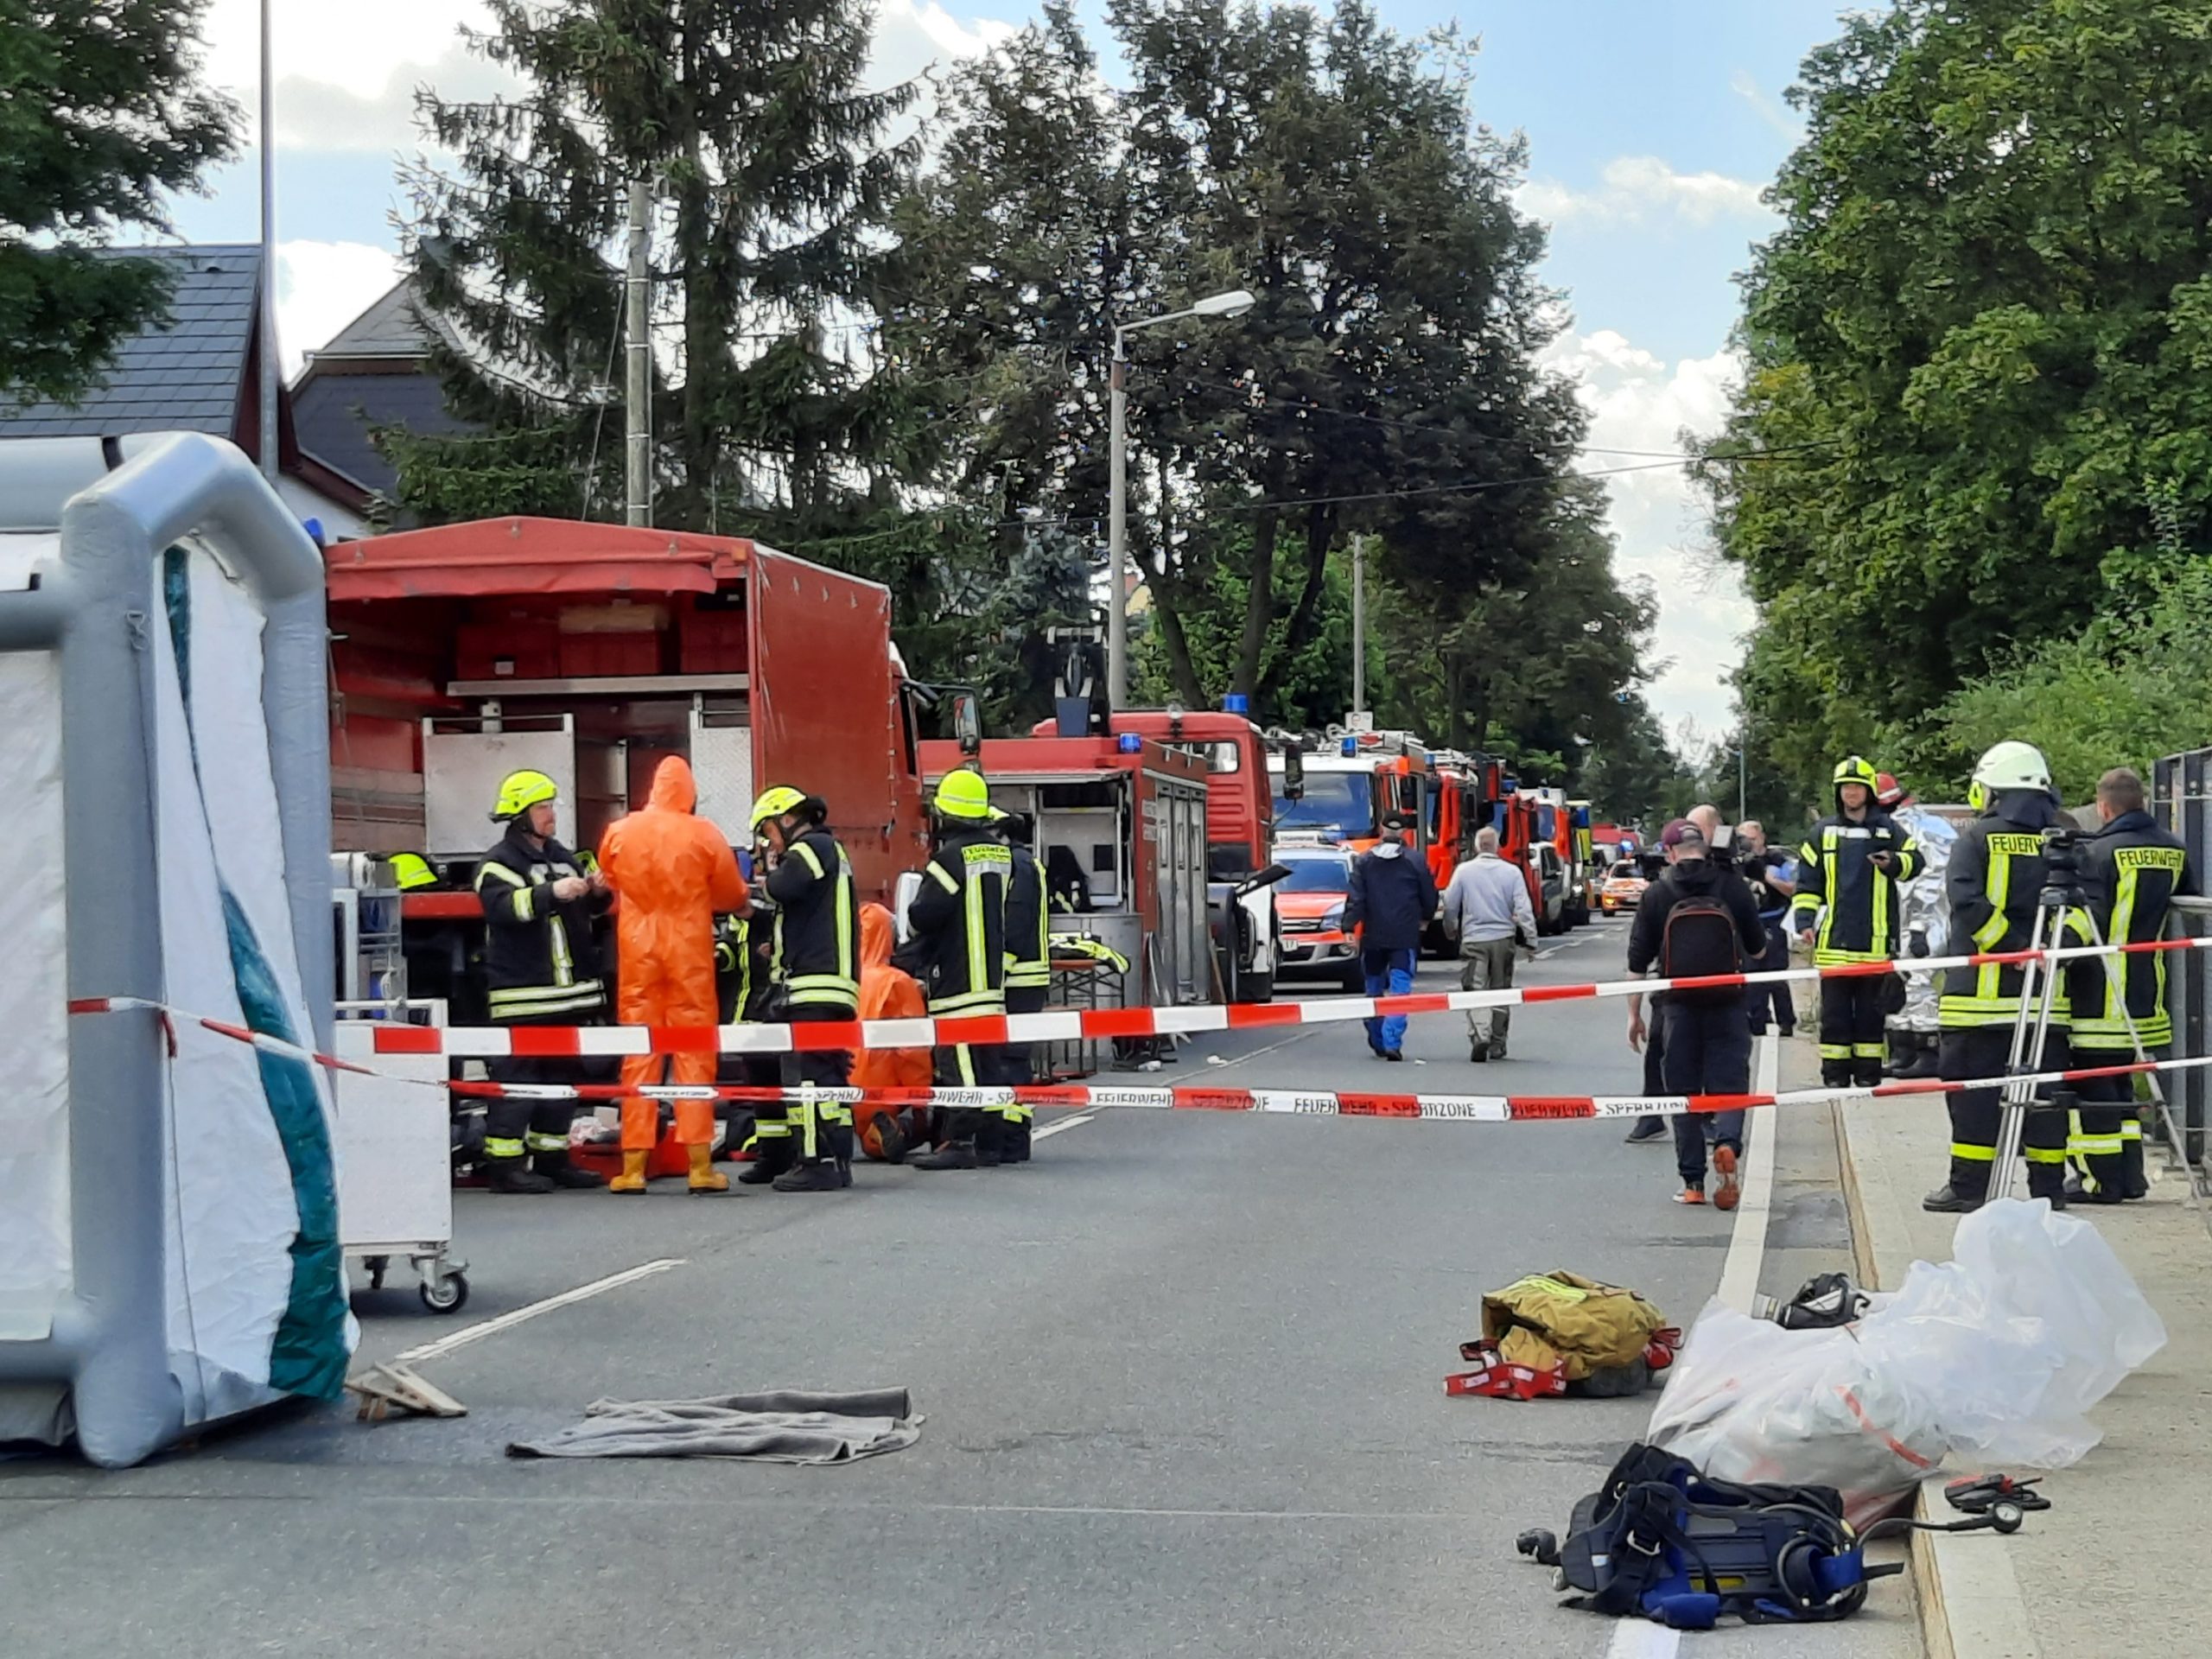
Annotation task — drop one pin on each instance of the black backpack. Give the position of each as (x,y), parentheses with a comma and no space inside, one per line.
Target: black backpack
(1699,938)
(1662,1541)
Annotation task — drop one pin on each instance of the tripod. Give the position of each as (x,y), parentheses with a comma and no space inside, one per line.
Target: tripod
(2062,895)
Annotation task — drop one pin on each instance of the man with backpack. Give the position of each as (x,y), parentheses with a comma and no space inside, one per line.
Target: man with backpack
(1698,919)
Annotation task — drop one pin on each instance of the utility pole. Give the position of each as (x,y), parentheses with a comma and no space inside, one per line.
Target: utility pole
(266,387)
(637,362)
(1117,529)
(1358,623)
(1743,772)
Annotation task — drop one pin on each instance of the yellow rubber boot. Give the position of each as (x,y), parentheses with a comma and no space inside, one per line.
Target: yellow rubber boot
(633,1177)
(705,1178)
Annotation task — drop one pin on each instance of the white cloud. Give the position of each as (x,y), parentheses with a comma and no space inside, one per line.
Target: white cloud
(1637,189)
(1639,401)
(1785,122)
(322,287)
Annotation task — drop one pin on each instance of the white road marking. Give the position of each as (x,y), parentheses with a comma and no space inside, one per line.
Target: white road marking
(484,1328)
(1064,1125)
(1740,1274)
(1639,1638)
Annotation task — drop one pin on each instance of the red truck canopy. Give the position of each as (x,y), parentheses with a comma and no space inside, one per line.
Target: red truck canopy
(503,556)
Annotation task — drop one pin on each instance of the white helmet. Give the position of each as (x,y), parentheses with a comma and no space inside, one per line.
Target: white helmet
(2012,766)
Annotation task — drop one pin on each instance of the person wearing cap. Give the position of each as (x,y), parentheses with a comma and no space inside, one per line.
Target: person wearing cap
(1698,919)
(1391,902)
(814,970)
(541,967)
(958,921)
(1847,904)
(1925,914)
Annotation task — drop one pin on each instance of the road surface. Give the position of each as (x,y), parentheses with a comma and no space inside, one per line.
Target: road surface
(1182,1379)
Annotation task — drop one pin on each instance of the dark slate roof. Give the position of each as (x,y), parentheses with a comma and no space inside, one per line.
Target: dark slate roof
(185,377)
(333,411)
(388,328)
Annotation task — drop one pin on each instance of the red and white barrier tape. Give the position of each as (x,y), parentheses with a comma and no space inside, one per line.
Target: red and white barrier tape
(1462,1108)
(1073,1025)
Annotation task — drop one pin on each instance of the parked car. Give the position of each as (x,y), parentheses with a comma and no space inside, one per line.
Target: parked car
(1624,887)
(1553,880)
(1310,901)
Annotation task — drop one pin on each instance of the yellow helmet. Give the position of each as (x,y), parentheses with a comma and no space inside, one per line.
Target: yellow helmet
(520,791)
(774,803)
(412,871)
(962,793)
(1857,769)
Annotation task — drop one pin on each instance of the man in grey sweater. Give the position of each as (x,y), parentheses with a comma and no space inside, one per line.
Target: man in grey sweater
(1486,907)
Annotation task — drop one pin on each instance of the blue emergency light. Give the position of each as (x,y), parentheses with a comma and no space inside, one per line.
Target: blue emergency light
(1350,746)
(1237,703)
(1129,743)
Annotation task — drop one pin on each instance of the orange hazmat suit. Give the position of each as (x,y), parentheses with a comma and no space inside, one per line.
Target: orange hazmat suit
(673,873)
(886,993)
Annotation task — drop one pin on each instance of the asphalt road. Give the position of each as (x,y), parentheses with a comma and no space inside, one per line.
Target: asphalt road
(1182,1378)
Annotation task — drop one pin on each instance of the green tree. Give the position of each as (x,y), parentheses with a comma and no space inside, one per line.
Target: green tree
(1330,167)
(1633,777)
(776,173)
(1978,349)
(101,111)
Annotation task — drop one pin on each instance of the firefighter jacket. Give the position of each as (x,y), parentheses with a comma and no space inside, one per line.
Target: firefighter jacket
(1028,925)
(816,959)
(540,960)
(2132,870)
(741,974)
(959,920)
(1996,875)
(1924,912)
(1856,903)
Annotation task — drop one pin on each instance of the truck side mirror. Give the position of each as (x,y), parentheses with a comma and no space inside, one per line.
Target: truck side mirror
(968,722)
(1293,772)
(1266,878)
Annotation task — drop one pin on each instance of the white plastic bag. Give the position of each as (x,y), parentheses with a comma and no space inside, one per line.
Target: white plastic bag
(1998,1354)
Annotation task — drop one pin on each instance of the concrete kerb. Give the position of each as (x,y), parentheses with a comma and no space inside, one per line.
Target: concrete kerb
(1968,1596)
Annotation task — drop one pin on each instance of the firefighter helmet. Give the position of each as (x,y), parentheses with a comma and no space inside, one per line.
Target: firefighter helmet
(411,871)
(775,802)
(963,794)
(1888,791)
(2011,764)
(1857,769)
(519,791)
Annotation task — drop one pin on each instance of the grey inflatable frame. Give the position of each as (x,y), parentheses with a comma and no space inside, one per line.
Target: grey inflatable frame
(108,1346)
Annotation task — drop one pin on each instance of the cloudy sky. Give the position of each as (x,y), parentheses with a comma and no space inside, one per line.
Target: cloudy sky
(1652,129)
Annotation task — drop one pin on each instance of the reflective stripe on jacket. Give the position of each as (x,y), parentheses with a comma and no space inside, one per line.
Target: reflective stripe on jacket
(539,955)
(2133,871)
(1835,870)
(817,942)
(959,921)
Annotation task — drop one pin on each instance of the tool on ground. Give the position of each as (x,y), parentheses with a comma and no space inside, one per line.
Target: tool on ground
(2003,1499)
(1559,1334)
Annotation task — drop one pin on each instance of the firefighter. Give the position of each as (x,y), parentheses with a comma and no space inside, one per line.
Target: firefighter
(815,963)
(2133,870)
(1925,918)
(741,996)
(1995,880)
(959,920)
(541,967)
(1847,875)
(1028,973)
(675,874)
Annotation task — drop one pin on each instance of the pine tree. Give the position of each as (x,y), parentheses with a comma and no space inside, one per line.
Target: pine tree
(773,169)
(101,112)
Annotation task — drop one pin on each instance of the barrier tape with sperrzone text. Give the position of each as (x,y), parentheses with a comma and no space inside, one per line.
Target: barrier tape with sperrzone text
(1436,1108)
(1079,1025)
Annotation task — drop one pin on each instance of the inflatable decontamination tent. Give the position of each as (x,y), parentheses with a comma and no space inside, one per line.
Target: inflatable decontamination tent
(168,1228)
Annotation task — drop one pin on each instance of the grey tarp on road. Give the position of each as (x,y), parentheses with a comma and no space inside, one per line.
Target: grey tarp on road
(783,1426)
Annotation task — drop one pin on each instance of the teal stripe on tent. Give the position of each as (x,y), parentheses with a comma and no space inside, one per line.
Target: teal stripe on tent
(308,1355)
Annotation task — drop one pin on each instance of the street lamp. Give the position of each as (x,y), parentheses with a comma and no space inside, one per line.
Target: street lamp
(1234,303)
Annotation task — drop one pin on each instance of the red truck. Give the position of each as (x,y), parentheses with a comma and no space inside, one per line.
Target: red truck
(589,652)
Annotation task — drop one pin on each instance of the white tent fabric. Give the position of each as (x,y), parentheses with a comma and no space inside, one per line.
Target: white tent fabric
(35,1267)
(257,1301)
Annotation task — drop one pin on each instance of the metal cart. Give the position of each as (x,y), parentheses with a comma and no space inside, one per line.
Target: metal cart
(395,1156)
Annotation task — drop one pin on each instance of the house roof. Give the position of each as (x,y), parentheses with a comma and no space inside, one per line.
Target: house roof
(185,377)
(390,327)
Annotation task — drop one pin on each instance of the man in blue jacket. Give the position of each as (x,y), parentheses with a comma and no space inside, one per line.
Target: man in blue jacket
(1392,901)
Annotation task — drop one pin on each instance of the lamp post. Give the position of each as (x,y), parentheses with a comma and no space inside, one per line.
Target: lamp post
(1233,304)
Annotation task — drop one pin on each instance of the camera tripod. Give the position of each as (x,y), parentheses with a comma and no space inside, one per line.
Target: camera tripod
(2062,898)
